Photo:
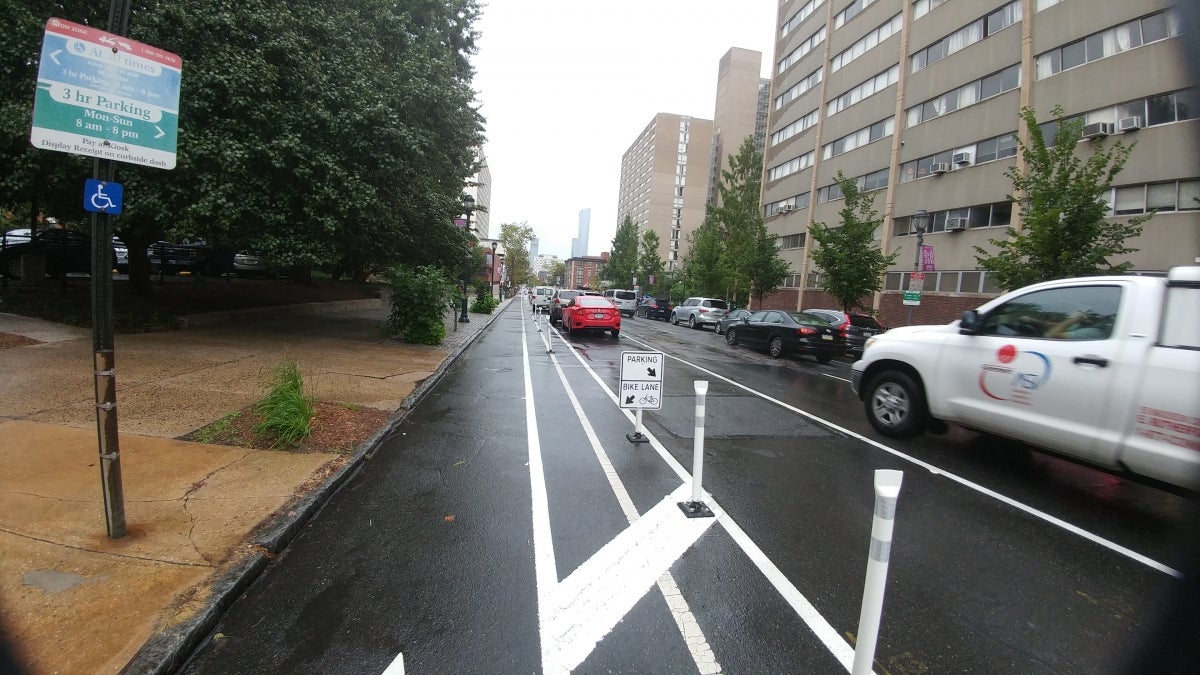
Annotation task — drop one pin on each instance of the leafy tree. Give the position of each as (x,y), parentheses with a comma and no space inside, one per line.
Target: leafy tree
(317,134)
(702,272)
(649,264)
(623,258)
(557,271)
(515,239)
(765,269)
(1060,198)
(850,262)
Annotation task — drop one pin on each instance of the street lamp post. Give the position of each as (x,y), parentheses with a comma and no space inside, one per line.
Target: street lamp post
(920,222)
(469,206)
(492,269)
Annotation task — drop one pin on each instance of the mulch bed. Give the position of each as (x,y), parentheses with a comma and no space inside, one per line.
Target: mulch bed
(336,428)
(8,340)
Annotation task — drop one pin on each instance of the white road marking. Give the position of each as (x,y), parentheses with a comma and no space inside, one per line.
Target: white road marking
(396,667)
(689,628)
(1057,522)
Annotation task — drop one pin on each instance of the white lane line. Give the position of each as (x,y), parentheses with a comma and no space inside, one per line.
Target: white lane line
(545,571)
(1042,515)
(396,667)
(835,377)
(822,629)
(689,628)
(596,596)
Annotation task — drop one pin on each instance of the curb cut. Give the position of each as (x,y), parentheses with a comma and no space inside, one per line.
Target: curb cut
(166,651)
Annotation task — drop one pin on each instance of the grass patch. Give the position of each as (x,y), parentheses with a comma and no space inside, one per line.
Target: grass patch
(286,411)
(216,431)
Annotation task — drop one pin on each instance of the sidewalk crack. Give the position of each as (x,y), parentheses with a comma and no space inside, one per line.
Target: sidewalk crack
(187,499)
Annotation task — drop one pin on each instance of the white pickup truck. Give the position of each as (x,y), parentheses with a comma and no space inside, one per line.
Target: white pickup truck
(1103,370)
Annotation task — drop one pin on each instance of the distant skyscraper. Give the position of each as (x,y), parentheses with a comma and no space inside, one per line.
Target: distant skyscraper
(482,192)
(533,249)
(664,181)
(579,244)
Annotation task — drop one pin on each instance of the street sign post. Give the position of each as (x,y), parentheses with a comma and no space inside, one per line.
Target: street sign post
(105,96)
(641,387)
(916,284)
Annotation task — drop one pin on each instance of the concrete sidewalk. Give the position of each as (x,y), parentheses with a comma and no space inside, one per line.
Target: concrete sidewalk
(202,519)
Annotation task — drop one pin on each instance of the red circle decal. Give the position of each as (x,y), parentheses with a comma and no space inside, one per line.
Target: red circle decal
(1006,354)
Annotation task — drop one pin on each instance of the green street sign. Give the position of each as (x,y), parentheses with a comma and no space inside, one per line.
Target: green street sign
(912,297)
(106,96)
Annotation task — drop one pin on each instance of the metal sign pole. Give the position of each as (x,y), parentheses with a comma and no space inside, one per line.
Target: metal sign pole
(104,359)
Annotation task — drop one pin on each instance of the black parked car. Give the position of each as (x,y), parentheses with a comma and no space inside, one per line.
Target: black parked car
(733,317)
(654,308)
(781,333)
(856,328)
(66,252)
(193,258)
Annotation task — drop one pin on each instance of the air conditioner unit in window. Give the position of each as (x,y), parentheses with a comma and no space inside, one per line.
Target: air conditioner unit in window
(956,224)
(962,158)
(1097,130)
(939,168)
(1129,124)
(787,209)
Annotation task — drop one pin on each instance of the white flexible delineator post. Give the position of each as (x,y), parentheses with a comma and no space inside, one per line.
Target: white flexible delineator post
(696,508)
(887,491)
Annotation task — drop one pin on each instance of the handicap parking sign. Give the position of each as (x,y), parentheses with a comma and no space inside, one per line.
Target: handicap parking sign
(102,196)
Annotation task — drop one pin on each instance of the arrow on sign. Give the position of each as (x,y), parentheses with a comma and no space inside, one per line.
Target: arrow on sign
(629,400)
(650,372)
(160,133)
(54,57)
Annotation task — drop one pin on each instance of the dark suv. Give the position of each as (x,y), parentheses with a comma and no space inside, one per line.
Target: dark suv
(654,308)
(856,328)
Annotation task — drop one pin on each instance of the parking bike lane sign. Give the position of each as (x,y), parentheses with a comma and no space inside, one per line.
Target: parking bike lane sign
(641,380)
(106,96)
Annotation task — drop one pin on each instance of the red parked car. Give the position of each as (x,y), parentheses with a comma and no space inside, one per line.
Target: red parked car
(591,312)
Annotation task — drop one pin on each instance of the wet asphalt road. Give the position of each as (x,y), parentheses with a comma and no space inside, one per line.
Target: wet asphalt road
(452,548)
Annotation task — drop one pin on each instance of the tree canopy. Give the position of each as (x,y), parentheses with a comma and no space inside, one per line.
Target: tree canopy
(515,239)
(316,134)
(851,263)
(1060,196)
(623,258)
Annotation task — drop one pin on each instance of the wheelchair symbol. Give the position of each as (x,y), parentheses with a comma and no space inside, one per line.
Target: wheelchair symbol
(100,200)
(102,197)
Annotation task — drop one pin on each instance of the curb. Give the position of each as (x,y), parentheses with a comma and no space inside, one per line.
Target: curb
(167,650)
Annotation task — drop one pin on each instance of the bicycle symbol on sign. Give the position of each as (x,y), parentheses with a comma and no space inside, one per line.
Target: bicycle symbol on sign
(648,399)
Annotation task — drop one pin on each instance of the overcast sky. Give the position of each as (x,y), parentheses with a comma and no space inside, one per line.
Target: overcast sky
(566,86)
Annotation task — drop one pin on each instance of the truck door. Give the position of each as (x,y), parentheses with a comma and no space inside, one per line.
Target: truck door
(1041,369)
(1162,415)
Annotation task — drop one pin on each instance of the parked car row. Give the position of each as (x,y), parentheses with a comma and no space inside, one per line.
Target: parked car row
(68,251)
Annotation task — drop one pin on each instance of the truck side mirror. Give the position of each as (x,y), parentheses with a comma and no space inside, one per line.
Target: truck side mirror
(970,323)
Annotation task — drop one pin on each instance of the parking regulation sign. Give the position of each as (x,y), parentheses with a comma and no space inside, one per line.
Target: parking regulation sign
(641,380)
(106,96)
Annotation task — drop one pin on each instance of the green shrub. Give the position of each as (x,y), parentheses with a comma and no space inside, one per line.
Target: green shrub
(286,412)
(419,300)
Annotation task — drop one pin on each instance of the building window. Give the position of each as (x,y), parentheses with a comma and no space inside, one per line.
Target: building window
(859,138)
(998,214)
(861,91)
(867,42)
(791,166)
(923,7)
(811,80)
(799,17)
(790,241)
(852,10)
(968,94)
(804,48)
(790,204)
(1132,200)
(1110,42)
(800,125)
(1000,147)
(872,181)
(1043,4)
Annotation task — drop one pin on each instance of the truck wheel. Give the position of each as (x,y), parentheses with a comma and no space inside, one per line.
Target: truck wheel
(895,405)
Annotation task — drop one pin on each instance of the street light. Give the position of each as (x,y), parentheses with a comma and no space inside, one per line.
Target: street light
(469,206)
(492,269)
(920,221)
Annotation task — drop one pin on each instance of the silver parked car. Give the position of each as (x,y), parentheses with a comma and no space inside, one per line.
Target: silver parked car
(696,312)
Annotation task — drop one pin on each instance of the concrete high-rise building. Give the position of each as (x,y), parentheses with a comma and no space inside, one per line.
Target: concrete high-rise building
(664,181)
(741,110)
(482,192)
(533,249)
(579,244)
(919,101)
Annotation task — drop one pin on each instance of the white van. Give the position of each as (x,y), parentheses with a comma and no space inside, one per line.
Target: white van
(625,300)
(539,298)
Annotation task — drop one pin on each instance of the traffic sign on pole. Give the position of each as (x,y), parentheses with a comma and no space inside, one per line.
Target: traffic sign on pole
(106,96)
(103,197)
(641,380)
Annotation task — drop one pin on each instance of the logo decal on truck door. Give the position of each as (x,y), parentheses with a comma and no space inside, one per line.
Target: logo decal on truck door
(1015,375)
